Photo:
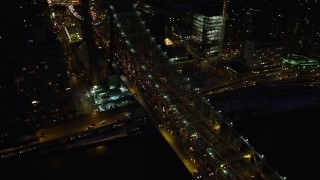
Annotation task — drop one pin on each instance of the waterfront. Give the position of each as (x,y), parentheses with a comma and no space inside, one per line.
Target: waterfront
(285,139)
(139,157)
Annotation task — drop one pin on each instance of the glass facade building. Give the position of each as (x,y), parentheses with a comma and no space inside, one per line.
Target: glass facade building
(208,32)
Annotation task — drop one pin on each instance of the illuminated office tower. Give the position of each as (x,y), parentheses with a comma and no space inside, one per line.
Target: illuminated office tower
(208,26)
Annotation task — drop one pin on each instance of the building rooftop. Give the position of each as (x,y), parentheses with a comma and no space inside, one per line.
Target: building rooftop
(261,42)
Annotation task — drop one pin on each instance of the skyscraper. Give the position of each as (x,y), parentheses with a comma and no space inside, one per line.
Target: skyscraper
(91,46)
(208,26)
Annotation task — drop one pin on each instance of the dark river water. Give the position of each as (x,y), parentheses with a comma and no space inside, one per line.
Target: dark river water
(141,157)
(288,141)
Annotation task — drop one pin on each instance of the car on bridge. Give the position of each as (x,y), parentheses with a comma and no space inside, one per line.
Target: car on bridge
(91,126)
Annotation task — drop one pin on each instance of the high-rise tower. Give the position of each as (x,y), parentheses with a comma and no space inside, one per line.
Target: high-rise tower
(91,46)
(208,25)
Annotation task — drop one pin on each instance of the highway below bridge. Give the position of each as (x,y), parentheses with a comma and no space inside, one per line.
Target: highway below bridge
(98,127)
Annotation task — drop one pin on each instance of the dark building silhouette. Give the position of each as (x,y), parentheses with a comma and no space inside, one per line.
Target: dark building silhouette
(33,73)
(263,54)
(91,46)
(8,60)
(234,27)
(179,20)
(154,17)
(263,19)
(303,32)
(44,83)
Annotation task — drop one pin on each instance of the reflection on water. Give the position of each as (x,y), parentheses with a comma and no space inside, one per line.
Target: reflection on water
(101,149)
(142,157)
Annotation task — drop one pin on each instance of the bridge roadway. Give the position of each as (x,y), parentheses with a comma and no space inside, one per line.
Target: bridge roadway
(210,144)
